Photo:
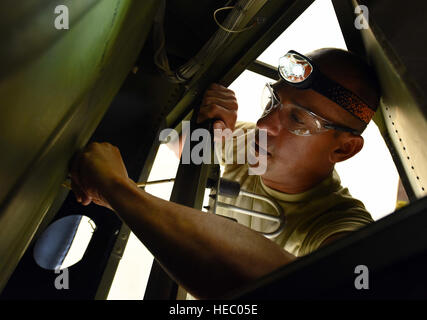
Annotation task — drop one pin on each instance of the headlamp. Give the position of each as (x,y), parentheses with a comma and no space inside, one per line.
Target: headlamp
(299,71)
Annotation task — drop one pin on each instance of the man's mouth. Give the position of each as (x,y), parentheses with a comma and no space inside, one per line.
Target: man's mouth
(258,148)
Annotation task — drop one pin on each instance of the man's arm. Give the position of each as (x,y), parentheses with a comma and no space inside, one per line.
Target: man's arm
(206,254)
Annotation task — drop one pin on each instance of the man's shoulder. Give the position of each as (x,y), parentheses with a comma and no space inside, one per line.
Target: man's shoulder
(342,213)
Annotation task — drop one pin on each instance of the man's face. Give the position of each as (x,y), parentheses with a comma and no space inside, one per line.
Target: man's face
(292,154)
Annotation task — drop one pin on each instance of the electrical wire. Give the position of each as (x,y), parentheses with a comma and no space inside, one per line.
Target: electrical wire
(217,41)
(226,29)
(211,47)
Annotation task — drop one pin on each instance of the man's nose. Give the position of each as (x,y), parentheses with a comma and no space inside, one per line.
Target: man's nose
(270,122)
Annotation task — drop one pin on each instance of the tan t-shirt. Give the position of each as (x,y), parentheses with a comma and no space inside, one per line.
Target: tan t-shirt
(311,216)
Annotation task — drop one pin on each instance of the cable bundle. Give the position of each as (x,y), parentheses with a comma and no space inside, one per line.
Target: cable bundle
(214,44)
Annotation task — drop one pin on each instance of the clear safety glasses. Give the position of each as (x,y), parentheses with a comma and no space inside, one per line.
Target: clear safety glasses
(298,120)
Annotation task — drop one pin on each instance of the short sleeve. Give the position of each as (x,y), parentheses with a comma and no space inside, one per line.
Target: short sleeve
(332,223)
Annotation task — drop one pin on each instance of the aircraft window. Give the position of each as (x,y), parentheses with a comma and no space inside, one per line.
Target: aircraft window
(132,274)
(64,242)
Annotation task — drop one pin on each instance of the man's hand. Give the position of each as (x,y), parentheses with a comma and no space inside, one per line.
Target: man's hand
(95,171)
(219,103)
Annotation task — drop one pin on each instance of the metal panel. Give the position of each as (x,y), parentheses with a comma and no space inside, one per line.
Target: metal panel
(399,63)
(55,86)
(127,125)
(344,11)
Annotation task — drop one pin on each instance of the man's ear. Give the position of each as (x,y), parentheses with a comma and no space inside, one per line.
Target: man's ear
(347,147)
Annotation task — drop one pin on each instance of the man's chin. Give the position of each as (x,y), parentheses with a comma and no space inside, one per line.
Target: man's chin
(260,167)
(264,158)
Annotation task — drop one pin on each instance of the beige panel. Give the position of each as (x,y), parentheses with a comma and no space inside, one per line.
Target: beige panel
(403,118)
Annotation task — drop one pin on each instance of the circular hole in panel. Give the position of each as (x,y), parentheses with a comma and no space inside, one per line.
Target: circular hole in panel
(64,242)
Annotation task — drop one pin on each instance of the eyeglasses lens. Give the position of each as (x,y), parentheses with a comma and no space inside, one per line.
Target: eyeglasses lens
(300,121)
(296,119)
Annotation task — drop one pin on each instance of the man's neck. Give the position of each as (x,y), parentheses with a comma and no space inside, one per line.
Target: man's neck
(294,185)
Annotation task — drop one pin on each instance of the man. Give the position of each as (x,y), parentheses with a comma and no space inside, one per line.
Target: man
(300,164)
(209,255)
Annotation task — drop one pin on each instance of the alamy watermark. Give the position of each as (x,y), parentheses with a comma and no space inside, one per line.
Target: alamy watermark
(236,144)
(63,280)
(362,280)
(62,19)
(362,19)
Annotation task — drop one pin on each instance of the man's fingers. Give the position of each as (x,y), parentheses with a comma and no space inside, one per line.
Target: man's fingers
(219,103)
(214,111)
(219,125)
(79,193)
(75,164)
(76,185)
(220,131)
(218,87)
(227,95)
(94,169)
(86,201)
(230,103)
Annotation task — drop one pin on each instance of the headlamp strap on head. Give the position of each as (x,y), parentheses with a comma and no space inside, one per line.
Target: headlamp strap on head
(344,98)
